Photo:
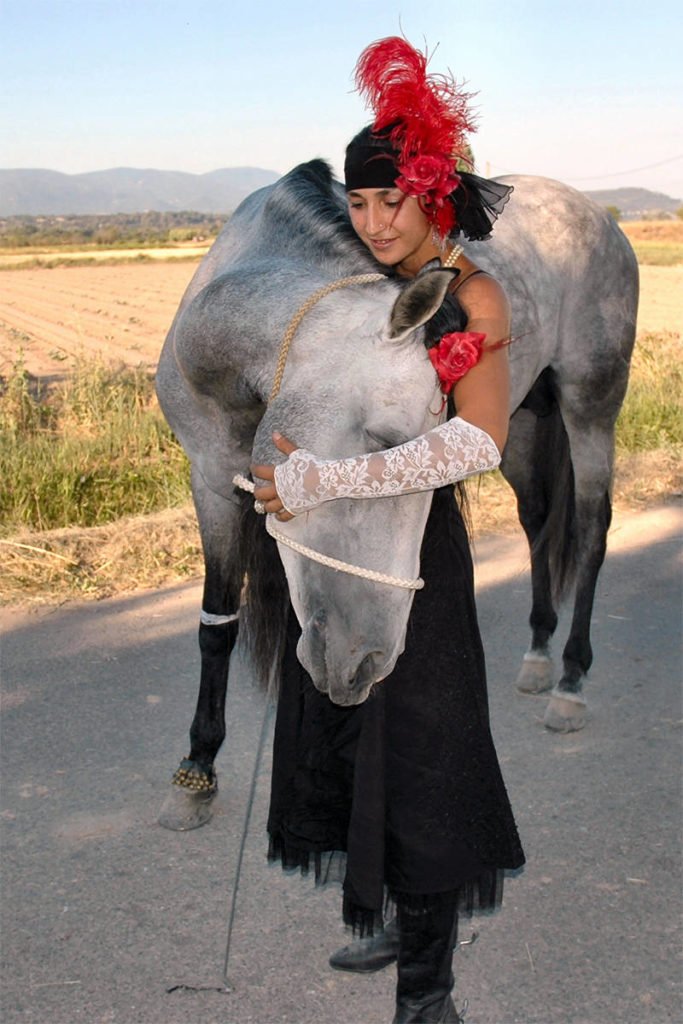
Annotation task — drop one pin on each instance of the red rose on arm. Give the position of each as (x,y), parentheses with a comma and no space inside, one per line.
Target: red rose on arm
(455,354)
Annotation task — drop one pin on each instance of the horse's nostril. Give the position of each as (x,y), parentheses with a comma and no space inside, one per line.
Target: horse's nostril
(319,620)
(366,671)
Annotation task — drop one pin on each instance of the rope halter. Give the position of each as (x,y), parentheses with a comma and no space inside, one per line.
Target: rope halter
(331,563)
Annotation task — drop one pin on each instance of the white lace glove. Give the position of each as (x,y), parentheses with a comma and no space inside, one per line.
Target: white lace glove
(448,453)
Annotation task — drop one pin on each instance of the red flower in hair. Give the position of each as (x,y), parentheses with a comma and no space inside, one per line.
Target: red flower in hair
(455,354)
(430,174)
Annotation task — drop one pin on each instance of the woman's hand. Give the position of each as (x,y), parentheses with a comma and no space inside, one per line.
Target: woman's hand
(267,493)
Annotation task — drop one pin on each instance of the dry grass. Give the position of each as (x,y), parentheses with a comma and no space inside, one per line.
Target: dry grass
(653,230)
(135,553)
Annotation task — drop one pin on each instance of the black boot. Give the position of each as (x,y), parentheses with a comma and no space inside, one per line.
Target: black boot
(425,977)
(367,955)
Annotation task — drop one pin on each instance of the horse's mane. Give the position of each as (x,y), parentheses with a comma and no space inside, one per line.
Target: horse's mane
(305,210)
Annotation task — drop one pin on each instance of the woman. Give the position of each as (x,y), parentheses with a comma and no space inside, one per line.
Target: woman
(406,788)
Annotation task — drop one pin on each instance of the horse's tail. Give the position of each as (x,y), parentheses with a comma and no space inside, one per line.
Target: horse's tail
(552,461)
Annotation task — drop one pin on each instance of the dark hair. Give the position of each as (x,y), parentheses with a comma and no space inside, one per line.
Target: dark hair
(370,161)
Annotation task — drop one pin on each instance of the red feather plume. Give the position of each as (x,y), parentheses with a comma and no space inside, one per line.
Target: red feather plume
(432,113)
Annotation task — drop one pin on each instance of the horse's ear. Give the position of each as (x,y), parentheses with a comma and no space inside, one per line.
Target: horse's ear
(418,302)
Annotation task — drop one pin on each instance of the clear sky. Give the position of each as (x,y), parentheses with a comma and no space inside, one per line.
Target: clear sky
(587,91)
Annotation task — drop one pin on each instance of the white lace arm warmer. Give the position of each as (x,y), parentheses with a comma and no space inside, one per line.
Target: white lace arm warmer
(448,453)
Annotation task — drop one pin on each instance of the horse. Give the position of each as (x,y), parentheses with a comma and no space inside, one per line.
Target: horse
(357,378)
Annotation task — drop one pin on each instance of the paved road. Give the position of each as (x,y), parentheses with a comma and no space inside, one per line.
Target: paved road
(103,911)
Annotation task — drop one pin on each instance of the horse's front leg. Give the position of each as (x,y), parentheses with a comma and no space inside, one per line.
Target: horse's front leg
(194,784)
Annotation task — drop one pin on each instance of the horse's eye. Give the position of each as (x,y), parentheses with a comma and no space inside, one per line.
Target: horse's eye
(379,441)
(375,442)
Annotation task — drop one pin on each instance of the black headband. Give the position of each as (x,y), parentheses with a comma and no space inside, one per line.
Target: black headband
(370,162)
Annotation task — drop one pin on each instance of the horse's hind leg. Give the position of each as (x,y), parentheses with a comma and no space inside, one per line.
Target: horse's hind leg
(194,783)
(522,472)
(592,446)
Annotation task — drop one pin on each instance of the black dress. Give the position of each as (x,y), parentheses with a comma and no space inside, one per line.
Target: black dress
(401,795)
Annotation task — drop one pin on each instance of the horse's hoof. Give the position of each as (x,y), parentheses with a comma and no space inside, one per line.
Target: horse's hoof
(184,810)
(536,674)
(566,712)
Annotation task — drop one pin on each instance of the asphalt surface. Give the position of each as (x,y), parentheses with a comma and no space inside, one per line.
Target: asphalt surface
(103,911)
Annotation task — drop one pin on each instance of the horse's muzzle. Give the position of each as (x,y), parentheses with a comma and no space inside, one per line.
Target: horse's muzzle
(344,670)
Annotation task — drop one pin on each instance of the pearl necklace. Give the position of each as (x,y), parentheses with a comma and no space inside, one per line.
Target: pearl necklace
(452,259)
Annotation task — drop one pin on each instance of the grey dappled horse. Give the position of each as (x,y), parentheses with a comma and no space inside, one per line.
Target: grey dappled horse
(358,378)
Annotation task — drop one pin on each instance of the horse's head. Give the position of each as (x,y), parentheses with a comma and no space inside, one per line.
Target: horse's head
(358,378)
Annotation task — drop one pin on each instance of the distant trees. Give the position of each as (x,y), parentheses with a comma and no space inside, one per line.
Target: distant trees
(614,211)
(124,230)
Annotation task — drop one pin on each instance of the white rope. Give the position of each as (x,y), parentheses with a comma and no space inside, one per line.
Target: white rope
(331,563)
(335,563)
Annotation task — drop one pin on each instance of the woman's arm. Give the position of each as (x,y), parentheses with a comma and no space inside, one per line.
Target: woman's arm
(469,443)
(482,396)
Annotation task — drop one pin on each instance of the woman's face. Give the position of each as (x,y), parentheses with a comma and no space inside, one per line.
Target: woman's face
(393,227)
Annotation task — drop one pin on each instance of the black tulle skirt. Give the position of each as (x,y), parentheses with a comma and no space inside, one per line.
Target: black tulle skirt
(401,796)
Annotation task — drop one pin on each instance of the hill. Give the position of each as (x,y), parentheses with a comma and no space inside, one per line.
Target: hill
(127,190)
(134,190)
(635,203)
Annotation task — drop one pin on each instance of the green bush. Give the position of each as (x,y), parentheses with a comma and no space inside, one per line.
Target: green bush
(656,253)
(91,450)
(652,414)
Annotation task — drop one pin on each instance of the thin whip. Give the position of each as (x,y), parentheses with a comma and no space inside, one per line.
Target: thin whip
(245,831)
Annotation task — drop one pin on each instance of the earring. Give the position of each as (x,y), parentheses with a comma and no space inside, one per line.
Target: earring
(439,242)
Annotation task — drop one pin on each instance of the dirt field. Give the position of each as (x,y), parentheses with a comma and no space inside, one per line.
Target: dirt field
(123,312)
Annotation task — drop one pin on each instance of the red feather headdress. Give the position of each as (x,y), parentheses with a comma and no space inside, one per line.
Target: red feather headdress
(426,118)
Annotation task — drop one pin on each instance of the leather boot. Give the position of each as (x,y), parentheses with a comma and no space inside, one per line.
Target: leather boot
(371,954)
(425,976)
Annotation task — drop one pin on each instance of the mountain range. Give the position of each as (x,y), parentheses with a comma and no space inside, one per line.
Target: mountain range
(636,202)
(127,190)
(132,190)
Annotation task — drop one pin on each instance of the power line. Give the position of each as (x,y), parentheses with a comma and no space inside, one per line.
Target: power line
(633,170)
(615,174)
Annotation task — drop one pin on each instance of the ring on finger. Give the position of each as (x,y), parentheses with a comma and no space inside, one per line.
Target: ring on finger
(259,508)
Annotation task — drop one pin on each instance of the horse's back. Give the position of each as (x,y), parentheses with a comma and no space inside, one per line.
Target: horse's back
(571,277)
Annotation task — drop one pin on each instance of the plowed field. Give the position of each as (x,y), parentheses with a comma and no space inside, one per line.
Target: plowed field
(124,312)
